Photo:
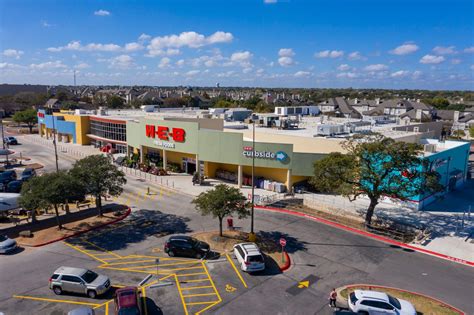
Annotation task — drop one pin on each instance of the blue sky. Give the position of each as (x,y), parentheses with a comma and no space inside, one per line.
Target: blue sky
(269,43)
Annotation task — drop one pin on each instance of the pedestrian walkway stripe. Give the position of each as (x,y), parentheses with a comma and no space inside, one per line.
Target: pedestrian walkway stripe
(85,252)
(197,287)
(199,294)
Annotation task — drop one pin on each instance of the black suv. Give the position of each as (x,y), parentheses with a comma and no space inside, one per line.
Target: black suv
(181,245)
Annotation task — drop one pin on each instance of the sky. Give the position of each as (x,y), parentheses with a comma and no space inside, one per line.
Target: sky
(409,44)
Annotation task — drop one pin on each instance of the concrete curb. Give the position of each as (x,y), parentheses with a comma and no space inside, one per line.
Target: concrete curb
(287,265)
(401,290)
(82,232)
(368,234)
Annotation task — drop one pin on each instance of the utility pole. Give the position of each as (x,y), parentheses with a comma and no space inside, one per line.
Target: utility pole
(54,143)
(3,136)
(252,236)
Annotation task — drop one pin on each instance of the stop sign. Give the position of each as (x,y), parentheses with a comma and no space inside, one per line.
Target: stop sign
(282,242)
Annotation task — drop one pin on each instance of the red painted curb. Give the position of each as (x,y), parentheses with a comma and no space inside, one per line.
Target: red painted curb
(411,292)
(368,234)
(82,232)
(287,265)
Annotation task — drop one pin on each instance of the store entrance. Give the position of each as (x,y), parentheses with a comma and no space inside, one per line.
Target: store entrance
(189,166)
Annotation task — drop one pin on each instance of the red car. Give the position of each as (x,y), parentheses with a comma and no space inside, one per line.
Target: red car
(128,301)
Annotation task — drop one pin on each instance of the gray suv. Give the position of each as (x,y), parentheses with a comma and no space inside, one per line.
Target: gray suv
(78,280)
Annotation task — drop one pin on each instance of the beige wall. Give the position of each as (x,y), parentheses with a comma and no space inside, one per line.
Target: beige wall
(204,123)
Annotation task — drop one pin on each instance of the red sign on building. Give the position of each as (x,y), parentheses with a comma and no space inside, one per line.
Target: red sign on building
(41,115)
(164,133)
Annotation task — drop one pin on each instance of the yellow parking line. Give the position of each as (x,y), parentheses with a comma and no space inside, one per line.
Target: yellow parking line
(191,274)
(199,294)
(197,287)
(84,252)
(107,309)
(130,262)
(131,270)
(196,280)
(197,303)
(166,269)
(236,271)
(53,300)
(104,304)
(103,249)
(181,295)
(144,300)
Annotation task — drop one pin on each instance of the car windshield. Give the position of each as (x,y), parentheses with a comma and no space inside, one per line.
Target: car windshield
(3,238)
(394,301)
(194,241)
(255,258)
(128,311)
(89,276)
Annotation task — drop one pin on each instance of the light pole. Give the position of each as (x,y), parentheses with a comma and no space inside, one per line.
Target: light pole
(3,136)
(252,236)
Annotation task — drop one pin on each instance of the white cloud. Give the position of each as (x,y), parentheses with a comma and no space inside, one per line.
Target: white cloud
(456,61)
(329,54)
(376,67)
(82,65)
(186,39)
(286,52)
(302,74)
(400,74)
(355,55)
(286,55)
(285,61)
(440,50)
(45,24)
(242,58)
(270,1)
(121,62)
(404,49)
(469,49)
(48,65)
(472,67)
(133,46)
(102,12)
(344,67)
(77,46)
(13,53)
(144,37)
(416,74)
(6,65)
(348,75)
(431,59)
(164,62)
(192,73)
(180,62)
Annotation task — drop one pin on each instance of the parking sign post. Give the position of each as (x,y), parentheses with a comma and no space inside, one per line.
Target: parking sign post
(283,244)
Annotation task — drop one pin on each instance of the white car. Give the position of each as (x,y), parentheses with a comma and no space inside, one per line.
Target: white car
(375,303)
(249,257)
(6,244)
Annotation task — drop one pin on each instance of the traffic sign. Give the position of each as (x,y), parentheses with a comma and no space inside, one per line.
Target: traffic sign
(282,242)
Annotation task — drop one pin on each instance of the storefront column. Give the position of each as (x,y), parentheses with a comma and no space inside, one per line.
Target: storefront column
(142,155)
(128,151)
(165,159)
(198,168)
(239,176)
(289,184)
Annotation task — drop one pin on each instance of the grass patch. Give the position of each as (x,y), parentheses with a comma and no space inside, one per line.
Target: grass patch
(422,304)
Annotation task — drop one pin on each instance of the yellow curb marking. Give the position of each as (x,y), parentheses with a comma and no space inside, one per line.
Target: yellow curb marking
(236,271)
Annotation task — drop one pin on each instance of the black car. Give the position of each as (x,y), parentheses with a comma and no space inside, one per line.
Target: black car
(14,186)
(28,173)
(181,245)
(5,178)
(10,140)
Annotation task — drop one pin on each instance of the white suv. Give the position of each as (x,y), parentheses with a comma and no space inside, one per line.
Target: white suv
(249,257)
(374,302)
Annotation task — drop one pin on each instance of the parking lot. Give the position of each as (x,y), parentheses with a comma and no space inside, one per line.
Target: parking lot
(126,252)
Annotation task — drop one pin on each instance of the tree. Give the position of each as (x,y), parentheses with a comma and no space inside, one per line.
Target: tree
(220,202)
(51,189)
(115,101)
(99,177)
(376,166)
(27,116)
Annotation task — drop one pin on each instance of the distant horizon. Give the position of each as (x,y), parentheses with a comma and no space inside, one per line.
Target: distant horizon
(397,44)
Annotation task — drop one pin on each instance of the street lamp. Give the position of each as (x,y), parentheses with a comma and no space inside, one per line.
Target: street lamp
(252,236)
(54,143)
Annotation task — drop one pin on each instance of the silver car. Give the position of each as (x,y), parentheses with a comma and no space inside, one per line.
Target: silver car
(78,280)
(6,244)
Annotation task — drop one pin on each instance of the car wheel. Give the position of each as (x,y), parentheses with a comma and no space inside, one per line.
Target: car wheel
(171,253)
(198,255)
(92,294)
(57,290)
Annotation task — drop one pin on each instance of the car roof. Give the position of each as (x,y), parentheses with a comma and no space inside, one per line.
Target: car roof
(180,237)
(126,300)
(372,295)
(71,271)
(83,310)
(250,248)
